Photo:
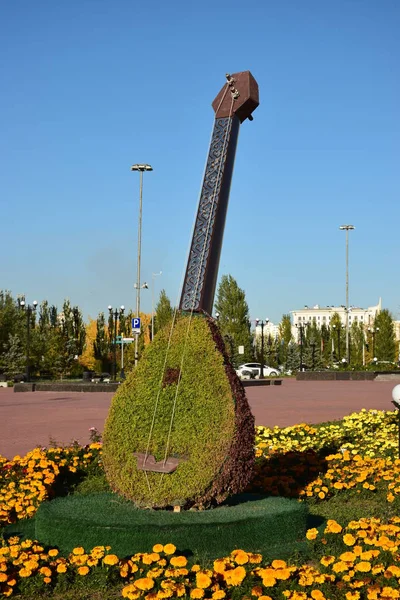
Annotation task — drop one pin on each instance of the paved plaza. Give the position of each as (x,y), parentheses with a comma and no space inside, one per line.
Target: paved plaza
(31,419)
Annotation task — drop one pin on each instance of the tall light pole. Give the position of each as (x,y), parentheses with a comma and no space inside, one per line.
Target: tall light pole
(29,310)
(115,315)
(347,228)
(262,325)
(141,168)
(153,275)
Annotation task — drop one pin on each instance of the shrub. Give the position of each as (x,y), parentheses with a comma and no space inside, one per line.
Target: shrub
(183,400)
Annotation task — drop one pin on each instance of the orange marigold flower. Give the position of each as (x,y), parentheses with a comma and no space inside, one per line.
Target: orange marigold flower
(158,548)
(3,577)
(352,595)
(169,549)
(62,568)
(144,583)
(235,576)
(203,580)
(312,533)
(111,559)
(363,566)
(53,552)
(83,570)
(218,595)
(178,561)
(279,564)
(348,557)
(327,560)
(264,598)
(196,593)
(219,565)
(240,557)
(78,551)
(349,539)
(317,595)
(332,526)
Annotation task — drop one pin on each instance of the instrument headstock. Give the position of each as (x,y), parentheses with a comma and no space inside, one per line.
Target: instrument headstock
(243,88)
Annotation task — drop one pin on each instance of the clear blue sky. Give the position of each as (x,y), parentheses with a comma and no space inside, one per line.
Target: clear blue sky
(90,87)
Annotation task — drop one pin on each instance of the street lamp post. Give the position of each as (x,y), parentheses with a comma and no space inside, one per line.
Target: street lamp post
(347,228)
(153,276)
(141,168)
(301,327)
(337,328)
(114,319)
(262,325)
(29,310)
(373,331)
(313,344)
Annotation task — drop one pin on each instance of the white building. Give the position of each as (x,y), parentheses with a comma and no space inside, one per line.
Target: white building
(321,315)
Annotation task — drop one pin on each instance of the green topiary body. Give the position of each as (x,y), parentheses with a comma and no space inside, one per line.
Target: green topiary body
(212,427)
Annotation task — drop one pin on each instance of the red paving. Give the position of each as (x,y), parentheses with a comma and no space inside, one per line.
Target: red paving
(30,419)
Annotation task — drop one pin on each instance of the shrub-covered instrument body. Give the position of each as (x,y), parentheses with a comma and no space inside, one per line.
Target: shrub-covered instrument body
(180,430)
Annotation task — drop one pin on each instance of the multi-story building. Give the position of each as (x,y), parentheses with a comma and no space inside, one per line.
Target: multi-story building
(321,315)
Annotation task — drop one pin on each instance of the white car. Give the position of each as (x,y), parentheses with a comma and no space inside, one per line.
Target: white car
(255,369)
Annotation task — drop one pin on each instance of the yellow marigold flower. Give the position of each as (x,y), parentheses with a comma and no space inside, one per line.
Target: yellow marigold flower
(196,593)
(317,595)
(169,549)
(130,592)
(53,552)
(78,551)
(394,570)
(312,533)
(83,570)
(339,567)
(264,598)
(269,581)
(3,577)
(327,560)
(145,583)
(62,568)
(349,539)
(158,548)
(240,557)
(166,593)
(195,568)
(219,565)
(235,576)
(45,571)
(203,580)
(278,564)
(178,561)
(363,566)
(255,558)
(111,559)
(352,595)
(24,572)
(332,527)
(218,595)
(348,557)
(124,570)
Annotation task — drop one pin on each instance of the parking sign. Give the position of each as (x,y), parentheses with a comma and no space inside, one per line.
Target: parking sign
(136,325)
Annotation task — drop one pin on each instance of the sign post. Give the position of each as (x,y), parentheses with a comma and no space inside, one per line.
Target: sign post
(136,325)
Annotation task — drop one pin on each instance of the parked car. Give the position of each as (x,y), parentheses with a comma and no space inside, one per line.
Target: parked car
(101,378)
(255,368)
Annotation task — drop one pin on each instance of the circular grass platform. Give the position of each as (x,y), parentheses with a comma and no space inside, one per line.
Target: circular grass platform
(272,526)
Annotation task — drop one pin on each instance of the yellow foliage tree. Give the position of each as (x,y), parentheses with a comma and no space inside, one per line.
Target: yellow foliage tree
(87,359)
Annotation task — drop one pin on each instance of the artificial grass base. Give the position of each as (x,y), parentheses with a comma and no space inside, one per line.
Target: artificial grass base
(272,526)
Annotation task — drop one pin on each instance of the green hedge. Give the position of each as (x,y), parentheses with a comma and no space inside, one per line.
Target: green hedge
(273,526)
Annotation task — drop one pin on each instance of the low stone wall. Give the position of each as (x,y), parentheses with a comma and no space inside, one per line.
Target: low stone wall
(66,387)
(336,376)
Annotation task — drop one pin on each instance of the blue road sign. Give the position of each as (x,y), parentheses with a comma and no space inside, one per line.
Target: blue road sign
(136,325)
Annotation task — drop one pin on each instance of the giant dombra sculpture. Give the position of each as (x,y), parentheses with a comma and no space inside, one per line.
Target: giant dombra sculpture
(180,430)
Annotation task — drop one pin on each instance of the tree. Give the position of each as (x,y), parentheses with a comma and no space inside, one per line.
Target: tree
(234,320)
(293,357)
(101,346)
(13,359)
(285,337)
(385,341)
(164,312)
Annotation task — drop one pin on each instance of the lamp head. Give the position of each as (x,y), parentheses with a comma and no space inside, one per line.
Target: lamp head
(257,321)
(145,286)
(396,396)
(141,167)
(35,303)
(22,303)
(110,308)
(122,308)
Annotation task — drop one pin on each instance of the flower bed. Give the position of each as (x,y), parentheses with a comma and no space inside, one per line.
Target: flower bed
(350,465)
